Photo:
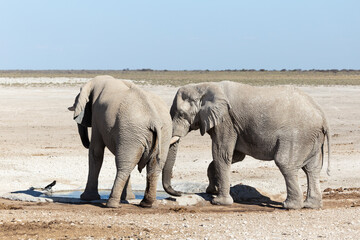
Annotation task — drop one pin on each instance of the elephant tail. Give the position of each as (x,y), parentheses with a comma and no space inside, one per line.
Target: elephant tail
(155,148)
(326,132)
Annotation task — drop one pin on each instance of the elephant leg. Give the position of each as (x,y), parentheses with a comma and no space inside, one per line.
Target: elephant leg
(294,199)
(222,163)
(223,146)
(96,156)
(223,171)
(153,171)
(287,159)
(127,193)
(213,185)
(312,170)
(127,156)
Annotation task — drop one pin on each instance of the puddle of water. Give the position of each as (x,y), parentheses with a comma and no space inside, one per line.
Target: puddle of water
(104,194)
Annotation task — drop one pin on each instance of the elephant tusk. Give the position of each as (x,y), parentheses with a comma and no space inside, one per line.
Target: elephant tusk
(174,140)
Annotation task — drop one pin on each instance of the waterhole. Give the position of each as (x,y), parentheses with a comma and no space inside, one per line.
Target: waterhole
(104,194)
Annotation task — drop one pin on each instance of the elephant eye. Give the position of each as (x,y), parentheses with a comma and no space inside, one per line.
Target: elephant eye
(183,115)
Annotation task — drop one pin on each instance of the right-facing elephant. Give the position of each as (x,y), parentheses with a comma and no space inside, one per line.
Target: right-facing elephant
(268,123)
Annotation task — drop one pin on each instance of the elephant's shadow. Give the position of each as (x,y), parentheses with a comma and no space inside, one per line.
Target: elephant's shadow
(248,195)
(242,194)
(33,194)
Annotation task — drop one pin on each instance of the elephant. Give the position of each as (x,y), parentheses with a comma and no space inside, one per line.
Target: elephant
(279,123)
(133,124)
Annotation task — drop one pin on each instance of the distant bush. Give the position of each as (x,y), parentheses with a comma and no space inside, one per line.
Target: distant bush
(178,78)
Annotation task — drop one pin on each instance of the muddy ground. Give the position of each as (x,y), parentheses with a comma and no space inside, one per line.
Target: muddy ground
(39,143)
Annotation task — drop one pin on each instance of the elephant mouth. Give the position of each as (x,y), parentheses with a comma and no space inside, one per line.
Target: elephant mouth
(174,139)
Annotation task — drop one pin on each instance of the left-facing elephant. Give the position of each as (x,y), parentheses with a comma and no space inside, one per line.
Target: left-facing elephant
(133,124)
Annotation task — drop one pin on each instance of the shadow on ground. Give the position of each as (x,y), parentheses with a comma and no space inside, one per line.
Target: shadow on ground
(35,195)
(246,195)
(242,194)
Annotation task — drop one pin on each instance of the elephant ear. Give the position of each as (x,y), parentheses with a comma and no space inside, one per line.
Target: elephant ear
(214,106)
(82,106)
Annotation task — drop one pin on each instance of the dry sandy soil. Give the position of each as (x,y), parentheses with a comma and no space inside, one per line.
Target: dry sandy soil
(39,143)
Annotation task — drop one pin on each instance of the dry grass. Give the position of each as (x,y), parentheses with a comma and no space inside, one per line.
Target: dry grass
(177,78)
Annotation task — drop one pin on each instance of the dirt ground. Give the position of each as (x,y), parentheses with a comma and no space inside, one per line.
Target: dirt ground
(39,143)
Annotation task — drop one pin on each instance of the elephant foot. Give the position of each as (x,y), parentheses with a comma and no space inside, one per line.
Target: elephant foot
(312,203)
(146,203)
(222,200)
(293,204)
(112,203)
(211,190)
(90,196)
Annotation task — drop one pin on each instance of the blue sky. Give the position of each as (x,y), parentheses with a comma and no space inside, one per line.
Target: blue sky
(179,35)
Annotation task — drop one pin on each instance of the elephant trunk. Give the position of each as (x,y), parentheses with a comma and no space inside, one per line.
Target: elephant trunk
(167,170)
(83,132)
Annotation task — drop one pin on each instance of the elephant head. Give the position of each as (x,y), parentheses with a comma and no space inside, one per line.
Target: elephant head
(195,106)
(198,106)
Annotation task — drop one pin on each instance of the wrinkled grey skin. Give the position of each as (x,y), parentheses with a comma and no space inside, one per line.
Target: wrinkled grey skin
(127,193)
(133,124)
(268,123)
